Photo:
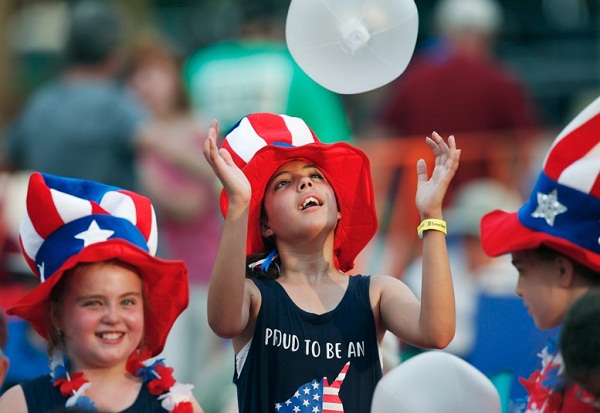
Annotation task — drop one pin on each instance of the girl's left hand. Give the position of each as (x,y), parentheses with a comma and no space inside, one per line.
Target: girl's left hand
(430,192)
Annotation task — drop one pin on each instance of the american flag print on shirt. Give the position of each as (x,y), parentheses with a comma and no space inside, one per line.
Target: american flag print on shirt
(316,397)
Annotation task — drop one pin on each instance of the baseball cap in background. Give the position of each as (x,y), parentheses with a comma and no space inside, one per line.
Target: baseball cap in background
(483,16)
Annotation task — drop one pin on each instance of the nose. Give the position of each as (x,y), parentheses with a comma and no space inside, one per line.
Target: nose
(518,289)
(111,314)
(304,183)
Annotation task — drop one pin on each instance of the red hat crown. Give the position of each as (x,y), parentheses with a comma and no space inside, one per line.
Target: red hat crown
(261,142)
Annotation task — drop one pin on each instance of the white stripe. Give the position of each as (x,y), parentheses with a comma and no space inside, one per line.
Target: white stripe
(583,173)
(119,205)
(336,407)
(70,207)
(331,390)
(32,241)
(301,134)
(153,237)
(245,141)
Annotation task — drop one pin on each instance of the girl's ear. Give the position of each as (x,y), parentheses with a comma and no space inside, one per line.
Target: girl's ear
(266,231)
(565,271)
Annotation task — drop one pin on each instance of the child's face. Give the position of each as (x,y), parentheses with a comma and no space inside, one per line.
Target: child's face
(299,202)
(539,287)
(102,315)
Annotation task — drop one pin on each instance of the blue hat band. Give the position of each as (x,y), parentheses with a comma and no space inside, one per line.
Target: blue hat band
(74,236)
(563,212)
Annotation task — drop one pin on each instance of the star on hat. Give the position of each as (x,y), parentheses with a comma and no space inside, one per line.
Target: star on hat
(548,207)
(94,234)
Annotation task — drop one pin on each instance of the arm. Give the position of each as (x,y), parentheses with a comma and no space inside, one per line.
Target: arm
(430,323)
(13,400)
(151,137)
(229,297)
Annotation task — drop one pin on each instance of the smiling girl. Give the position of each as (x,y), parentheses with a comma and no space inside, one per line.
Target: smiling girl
(105,302)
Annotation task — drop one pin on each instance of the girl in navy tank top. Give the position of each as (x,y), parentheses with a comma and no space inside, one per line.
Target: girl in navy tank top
(297,213)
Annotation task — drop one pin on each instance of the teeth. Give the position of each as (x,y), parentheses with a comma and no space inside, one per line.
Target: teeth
(308,201)
(110,336)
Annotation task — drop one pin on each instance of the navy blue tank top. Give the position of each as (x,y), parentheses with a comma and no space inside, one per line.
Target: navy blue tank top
(299,360)
(42,397)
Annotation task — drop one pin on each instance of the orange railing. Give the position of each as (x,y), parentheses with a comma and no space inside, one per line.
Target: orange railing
(507,158)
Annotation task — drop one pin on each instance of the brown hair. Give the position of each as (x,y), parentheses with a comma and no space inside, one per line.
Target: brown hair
(150,48)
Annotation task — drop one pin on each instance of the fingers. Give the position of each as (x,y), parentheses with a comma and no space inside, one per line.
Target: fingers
(421,171)
(210,144)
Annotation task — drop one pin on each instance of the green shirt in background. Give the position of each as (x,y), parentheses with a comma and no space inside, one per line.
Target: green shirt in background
(229,80)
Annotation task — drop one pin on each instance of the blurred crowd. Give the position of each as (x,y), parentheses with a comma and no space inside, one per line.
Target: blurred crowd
(131,95)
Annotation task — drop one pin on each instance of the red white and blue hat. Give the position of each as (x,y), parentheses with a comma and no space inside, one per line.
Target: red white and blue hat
(563,211)
(71,221)
(262,142)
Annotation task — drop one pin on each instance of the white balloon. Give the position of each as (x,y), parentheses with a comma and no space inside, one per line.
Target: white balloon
(352,46)
(435,382)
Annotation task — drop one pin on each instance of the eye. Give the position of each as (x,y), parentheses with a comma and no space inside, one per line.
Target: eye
(92,303)
(281,183)
(128,302)
(317,175)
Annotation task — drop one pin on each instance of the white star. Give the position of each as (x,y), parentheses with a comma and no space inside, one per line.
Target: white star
(548,207)
(306,390)
(297,394)
(94,234)
(288,402)
(315,385)
(278,406)
(296,409)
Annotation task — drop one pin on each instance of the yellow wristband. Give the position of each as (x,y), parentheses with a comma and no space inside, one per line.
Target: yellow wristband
(435,224)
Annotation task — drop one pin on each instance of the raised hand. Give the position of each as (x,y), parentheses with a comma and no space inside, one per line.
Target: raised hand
(232,178)
(430,192)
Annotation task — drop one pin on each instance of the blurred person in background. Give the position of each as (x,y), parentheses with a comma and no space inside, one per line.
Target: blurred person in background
(188,216)
(256,73)
(456,85)
(82,124)
(85,124)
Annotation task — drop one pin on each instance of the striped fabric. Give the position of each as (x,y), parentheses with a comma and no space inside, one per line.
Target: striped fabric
(76,212)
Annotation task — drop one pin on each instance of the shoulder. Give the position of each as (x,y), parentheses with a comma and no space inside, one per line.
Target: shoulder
(387,287)
(13,400)
(381,281)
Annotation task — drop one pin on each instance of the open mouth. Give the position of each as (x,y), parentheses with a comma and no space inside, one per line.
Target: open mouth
(310,202)
(110,336)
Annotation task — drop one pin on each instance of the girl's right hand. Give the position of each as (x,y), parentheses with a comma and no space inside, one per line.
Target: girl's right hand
(232,178)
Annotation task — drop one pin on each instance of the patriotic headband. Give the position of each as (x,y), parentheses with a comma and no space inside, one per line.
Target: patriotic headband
(262,142)
(71,221)
(563,211)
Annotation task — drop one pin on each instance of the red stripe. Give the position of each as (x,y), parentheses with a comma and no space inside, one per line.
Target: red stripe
(40,207)
(595,191)
(572,147)
(270,128)
(335,386)
(97,209)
